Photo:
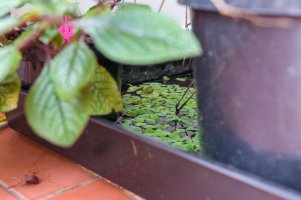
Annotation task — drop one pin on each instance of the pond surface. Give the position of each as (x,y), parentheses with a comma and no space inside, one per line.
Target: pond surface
(150,109)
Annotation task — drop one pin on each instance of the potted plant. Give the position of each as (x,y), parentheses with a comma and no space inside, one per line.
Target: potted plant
(146,167)
(72,86)
(248,87)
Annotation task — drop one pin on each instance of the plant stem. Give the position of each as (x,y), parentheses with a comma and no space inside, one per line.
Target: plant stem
(182,106)
(178,107)
(186,16)
(161,6)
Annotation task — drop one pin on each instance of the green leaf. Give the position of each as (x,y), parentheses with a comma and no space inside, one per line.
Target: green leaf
(181,79)
(95,10)
(136,35)
(9,93)
(52,37)
(53,119)
(58,8)
(72,69)
(7,23)
(166,78)
(154,117)
(6,6)
(148,90)
(105,92)
(10,58)
(162,123)
(133,6)
(140,120)
(49,35)
(132,89)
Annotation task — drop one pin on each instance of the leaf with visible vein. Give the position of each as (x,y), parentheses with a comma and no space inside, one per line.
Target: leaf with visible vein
(136,35)
(9,93)
(105,93)
(53,119)
(72,69)
(10,58)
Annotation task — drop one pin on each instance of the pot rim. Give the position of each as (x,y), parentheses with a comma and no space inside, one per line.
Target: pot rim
(280,8)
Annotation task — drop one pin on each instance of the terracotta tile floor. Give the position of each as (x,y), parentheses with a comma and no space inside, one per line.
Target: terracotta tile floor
(59,178)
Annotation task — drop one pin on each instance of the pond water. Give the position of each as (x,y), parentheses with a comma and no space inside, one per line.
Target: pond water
(151,109)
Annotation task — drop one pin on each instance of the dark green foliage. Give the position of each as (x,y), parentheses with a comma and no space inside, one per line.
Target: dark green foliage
(150,109)
(72,85)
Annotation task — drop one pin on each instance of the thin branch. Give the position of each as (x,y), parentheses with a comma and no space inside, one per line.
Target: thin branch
(188,25)
(78,10)
(186,16)
(178,107)
(185,102)
(161,6)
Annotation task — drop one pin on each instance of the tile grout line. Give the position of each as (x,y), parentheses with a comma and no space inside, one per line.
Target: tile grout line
(89,171)
(16,194)
(70,188)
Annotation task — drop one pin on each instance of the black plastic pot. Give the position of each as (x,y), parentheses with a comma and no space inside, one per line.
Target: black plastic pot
(248,84)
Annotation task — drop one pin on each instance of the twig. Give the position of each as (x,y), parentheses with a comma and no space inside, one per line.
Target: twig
(178,107)
(119,119)
(184,60)
(186,16)
(77,7)
(182,106)
(188,25)
(161,6)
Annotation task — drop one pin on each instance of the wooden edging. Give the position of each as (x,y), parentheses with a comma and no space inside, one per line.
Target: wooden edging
(155,170)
